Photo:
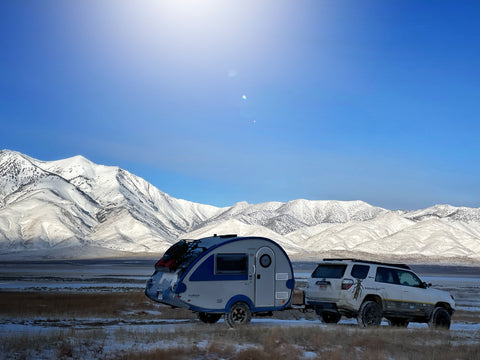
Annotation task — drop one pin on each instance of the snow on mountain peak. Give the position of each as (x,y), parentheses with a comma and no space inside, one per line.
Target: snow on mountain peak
(75,203)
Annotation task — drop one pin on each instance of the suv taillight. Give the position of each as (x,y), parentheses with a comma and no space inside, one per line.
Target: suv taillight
(347,284)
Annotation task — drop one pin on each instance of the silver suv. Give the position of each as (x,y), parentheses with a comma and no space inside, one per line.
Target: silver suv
(371,290)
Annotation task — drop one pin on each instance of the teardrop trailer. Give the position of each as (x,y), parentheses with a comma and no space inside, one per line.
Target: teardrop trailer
(224,275)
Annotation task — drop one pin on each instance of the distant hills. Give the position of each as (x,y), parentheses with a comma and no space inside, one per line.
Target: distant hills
(73,208)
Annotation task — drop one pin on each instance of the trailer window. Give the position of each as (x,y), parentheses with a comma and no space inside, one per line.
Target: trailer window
(231,264)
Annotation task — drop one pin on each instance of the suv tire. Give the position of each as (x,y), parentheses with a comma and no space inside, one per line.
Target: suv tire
(370,314)
(329,317)
(440,319)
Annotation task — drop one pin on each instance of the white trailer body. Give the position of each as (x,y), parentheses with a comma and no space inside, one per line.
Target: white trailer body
(210,275)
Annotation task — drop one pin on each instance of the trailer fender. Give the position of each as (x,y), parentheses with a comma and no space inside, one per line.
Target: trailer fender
(238,298)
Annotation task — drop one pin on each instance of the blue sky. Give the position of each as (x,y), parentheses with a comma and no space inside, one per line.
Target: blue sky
(224,101)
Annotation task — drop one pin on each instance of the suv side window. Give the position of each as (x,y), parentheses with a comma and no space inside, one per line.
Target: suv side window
(331,271)
(409,279)
(360,271)
(387,275)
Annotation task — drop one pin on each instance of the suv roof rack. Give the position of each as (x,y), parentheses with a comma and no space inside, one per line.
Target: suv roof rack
(402,266)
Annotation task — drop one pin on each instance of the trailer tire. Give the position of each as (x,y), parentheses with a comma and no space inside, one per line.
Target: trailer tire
(370,314)
(239,314)
(440,319)
(208,318)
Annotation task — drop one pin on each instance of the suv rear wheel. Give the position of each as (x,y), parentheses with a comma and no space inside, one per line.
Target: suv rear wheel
(440,319)
(329,317)
(370,314)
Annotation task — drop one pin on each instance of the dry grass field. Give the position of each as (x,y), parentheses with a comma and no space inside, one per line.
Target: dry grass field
(126,325)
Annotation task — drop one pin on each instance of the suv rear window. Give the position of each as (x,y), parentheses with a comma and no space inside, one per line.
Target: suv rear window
(360,271)
(331,271)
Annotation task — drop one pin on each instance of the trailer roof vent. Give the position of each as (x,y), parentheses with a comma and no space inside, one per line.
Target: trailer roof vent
(225,236)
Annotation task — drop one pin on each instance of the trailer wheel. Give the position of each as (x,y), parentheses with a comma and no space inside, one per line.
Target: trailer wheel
(208,318)
(238,315)
(370,314)
(440,319)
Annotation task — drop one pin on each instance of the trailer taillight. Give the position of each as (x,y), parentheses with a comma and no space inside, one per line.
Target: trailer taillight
(160,263)
(170,264)
(347,284)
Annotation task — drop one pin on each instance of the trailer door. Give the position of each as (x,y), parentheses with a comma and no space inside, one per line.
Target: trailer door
(265,277)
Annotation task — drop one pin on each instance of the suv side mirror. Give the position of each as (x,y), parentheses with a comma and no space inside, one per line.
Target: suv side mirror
(425,285)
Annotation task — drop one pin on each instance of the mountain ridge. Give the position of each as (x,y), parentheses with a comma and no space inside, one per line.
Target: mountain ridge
(47,207)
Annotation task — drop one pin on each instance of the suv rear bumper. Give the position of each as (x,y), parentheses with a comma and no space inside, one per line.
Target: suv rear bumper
(323,306)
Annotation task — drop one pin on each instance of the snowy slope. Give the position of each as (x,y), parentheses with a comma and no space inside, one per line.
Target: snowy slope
(351,235)
(447,212)
(284,218)
(76,202)
(234,226)
(432,237)
(76,208)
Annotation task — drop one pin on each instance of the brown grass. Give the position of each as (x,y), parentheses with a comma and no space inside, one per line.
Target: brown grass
(76,305)
(251,342)
(327,343)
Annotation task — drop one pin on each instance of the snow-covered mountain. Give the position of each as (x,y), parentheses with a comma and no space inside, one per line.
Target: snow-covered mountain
(284,218)
(74,202)
(75,208)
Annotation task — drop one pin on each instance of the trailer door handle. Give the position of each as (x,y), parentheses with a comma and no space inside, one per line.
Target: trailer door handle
(258,276)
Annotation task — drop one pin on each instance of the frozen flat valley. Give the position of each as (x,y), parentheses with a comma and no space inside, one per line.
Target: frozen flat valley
(463,282)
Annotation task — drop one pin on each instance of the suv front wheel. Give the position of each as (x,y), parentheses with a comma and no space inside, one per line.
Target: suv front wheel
(440,319)
(370,314)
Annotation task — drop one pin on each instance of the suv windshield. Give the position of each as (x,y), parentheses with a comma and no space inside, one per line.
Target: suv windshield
(332,271)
